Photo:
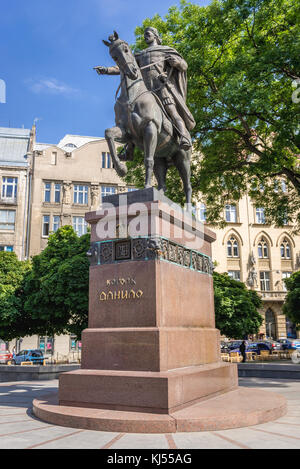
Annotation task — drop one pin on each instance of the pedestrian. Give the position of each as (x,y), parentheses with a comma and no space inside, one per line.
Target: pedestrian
(243,351)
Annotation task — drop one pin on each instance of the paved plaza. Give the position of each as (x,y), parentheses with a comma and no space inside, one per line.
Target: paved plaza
(20,429)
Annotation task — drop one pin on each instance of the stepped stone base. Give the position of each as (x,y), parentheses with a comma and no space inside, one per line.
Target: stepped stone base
(241,407)
(158,392)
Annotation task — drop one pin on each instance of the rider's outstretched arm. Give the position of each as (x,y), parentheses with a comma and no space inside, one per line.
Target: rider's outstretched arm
(108,70)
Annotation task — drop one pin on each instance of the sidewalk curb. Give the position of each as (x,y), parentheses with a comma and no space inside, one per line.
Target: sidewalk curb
(11,373)
(269,370)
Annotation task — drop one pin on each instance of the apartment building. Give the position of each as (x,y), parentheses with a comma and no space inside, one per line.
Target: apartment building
(259,255)
(70,179)
(16,146)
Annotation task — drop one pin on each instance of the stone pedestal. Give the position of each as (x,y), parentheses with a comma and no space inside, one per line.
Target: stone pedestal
(151,353)
(151,344)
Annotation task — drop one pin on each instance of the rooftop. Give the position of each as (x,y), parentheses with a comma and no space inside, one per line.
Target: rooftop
(14,145)
(70,142)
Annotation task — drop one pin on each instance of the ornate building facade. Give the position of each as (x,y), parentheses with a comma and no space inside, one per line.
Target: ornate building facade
(259,255)
(16,146)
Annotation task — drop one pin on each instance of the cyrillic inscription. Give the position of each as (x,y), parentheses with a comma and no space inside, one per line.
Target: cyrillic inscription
(121,295)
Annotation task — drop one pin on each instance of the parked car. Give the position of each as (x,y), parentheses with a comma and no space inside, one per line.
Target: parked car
(275,345)
(233,344)
(288,344)
(35,355)
(5,357)
(255,347)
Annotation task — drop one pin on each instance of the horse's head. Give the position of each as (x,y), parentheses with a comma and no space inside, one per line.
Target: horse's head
(122,55)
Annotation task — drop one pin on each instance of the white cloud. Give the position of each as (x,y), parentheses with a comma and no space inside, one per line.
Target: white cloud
(53,86)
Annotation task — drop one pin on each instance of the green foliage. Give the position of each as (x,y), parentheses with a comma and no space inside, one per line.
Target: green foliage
(12,272)
(291,306)
(56,289)
(236,307)
(48,295)
(243,58)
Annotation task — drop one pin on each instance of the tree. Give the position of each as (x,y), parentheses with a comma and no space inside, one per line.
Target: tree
(291,306)
(56,289)
(13,323)
(243,58)
(236,307)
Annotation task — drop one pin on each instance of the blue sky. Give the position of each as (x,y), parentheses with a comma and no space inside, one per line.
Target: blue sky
(48,49)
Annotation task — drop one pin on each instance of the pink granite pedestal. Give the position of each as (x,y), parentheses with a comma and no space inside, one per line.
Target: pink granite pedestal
(151,354)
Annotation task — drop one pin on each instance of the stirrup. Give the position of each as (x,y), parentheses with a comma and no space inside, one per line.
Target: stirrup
(185,143)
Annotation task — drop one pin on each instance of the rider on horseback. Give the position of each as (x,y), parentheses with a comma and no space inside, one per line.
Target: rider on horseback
(164,73)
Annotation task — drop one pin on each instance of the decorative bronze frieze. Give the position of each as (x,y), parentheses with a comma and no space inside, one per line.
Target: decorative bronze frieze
(144,249)
(123,250)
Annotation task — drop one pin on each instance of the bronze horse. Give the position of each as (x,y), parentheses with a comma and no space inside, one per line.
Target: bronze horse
(141,119)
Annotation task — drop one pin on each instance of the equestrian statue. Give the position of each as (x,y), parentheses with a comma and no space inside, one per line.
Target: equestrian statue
(151,111)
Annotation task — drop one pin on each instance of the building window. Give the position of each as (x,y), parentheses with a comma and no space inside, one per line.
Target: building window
(79,225)
(291,331)
(46,225)
(46,344)
(263,251)
(283,186)
(260,215)
(107,190)
(201,212)
(54,158)
(81,194)
(7,220)
(56,223)
(131,189)
(231,213)
(47,192)
(270,321)
(75,345)
(7,248)
(232,247)
(9,188)
(280,184)
(235,274)
(285,249)
(264,281)
(284,276)
(106,160)
(57,193)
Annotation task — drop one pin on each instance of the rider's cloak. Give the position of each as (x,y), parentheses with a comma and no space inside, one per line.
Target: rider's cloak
(176,84)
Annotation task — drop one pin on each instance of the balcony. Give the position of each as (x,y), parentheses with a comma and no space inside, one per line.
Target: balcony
(273,295)
(8,200)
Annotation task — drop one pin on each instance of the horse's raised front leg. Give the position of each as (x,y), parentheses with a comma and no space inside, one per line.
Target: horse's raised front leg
(150,143)
(116,133)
